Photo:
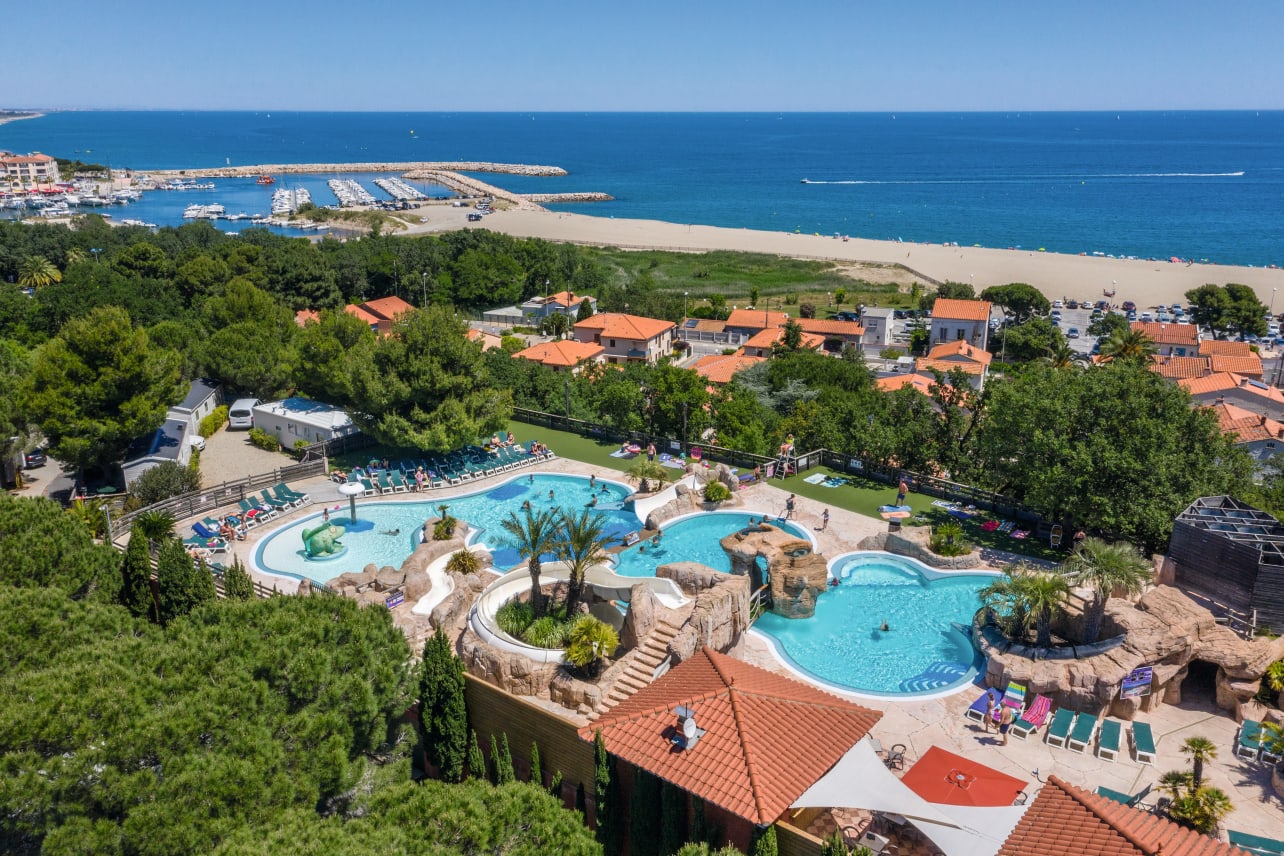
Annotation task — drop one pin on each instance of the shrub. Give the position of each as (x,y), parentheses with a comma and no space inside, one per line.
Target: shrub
(300,446)
(264,440)
(514,617)
(546,632)
(444,529)
(511,344)
(210,424)
(163,481)
(716,491)
(807,310)
(947,540)
(891,353)
(589,641)
(462,562)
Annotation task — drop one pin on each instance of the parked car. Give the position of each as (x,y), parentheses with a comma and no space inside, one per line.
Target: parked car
(197,443)
(1058,304)
(1072,304)
(1132,315)
(241,414)
(846,316)
(35,458)
(1056,315)
(1128,306)
(473,218)
(1072,333)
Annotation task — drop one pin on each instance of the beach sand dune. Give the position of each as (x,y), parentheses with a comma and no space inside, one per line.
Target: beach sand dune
(1147,283)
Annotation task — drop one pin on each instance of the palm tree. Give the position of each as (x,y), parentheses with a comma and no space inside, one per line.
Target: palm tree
(155,525)
(75,255)
(583,545)
(1200,749)
(1061,356)
(1128,345)
(534,535)
(1025,596)
(1106,568)
(37,272)
(644,472)
(1044,594)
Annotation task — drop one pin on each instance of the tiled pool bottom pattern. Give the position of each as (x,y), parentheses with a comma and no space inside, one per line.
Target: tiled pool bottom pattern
(921,652)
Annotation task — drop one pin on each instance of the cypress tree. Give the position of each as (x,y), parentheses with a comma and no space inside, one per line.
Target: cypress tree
(644,814)
(764,842)
(183,584)
(443,715)
(698,830)
(476,760)
(136,572)
(237,584)
(835,846)
(537,775)
(494,760)
(504,774)
(673,819)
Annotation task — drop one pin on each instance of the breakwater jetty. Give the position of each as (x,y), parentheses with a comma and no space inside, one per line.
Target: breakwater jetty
(384,166)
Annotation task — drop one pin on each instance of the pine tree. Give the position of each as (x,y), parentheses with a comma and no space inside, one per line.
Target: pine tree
(835,846)
(644,814)
(443,715)
(504,774)
(237,584)
(476,760)
(184,585)
(537,775)
(673,819)
(764,842)
(136,573)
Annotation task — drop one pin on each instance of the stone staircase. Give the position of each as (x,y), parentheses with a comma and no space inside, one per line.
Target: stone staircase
(651,653)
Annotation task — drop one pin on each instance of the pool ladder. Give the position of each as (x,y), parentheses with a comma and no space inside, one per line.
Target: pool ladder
(758,603)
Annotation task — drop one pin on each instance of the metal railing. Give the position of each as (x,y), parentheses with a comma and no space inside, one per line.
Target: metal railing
(1243,624)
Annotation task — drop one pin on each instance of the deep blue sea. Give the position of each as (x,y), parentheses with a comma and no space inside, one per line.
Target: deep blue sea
(1201,185)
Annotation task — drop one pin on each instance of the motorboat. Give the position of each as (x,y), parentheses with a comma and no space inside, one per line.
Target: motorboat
(265,179)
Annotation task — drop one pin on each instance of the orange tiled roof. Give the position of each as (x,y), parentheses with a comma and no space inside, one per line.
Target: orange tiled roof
(830,327)
(767,338)
(756,319)
(1245,425)
(303,316)
(387,308)
(1168,334)
(1179,368)
(486,340)
(960,348)
(36,158)
(1067,821)
(617,325)
(891,383)
(767,737)
(706,325)
(1224,347)
(1248,364)
(568,298)
(923,364)
(562,353)
(961,310)
(1213,383)
(718,368)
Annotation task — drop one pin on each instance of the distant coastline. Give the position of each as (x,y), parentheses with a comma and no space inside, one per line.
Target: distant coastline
(17,115)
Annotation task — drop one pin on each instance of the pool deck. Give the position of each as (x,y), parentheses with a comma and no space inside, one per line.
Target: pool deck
(921,723)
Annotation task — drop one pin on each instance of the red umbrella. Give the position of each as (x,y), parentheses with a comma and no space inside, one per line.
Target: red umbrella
(943,777)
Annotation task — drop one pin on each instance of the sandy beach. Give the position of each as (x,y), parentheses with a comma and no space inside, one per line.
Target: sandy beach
(1147,283)
(9,117)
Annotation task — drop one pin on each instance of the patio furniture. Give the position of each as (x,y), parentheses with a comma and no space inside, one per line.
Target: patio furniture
(1059,730)
(255,513)
(1085,725)
(1249,742)
(1108,740)
(286,492)
(273,503)
(204,531)
(214,545)
(1256,844)
(875,842)
(1130,800)
(385,484)
(369,486)
(399,483)
(895,759)
(1143,743)
(977,710)
(1055,537)
(1014,696)
(1032,720)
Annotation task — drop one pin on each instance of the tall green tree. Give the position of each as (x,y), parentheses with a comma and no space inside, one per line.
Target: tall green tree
(98,385)
(443,715)
(607,810)
(42,546)
(237,584)
(1129,345)
(1200,750)
(37,272)
(183,584)
(424,386)
(582,546)
(1106,568)
(1025,597)
(534,534)
(136,575)
(1022,300)
(644,814)
(537,773)
(1228,309)
(673,818)
(476,759)
(764,842)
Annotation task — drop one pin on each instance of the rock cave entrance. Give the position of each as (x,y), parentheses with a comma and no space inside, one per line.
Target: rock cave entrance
(1199,687)
(761,576)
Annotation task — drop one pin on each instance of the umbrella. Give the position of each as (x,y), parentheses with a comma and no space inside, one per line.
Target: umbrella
(943,777)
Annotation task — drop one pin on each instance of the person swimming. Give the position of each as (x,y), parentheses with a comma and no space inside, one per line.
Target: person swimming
(390,532)
(526,506)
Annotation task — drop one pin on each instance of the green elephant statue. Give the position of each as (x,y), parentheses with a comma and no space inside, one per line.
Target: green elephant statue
(322,540)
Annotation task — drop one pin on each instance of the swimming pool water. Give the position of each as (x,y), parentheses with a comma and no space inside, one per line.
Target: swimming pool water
(922,652)
(693,539)
(388,532)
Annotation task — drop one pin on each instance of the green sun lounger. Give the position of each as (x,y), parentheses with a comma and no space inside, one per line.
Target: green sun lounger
(1059,730)
(1108,740)
(1255,843)
(1118,796)
(1143,743)
(1249,744)
(1085,725)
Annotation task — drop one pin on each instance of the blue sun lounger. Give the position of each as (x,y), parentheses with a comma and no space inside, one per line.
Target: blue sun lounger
(977,710)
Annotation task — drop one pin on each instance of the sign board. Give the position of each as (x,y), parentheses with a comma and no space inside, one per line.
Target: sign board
(395,600)
(1137,683)
(854,464)
(770,471)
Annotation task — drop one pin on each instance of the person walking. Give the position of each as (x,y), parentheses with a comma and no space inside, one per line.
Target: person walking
(789,507)
(1005,724)
(824,520)
(989,712)
(901,490)
(650,451)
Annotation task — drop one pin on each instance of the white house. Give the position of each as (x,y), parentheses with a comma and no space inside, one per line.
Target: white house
(202,398)
(302,419)
(168,443)
(961,320)
(877,321)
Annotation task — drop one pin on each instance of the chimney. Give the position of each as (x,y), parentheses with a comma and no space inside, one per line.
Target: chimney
(1221,399)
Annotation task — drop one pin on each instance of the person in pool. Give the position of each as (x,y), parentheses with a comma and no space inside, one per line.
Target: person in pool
(551,496)
(593,482)
(390,532)
(526,506)
(592,503)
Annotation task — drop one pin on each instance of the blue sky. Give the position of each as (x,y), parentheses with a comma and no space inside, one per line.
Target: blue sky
(658,55)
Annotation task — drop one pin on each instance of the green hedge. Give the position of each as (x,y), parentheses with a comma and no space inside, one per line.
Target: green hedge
(210,424)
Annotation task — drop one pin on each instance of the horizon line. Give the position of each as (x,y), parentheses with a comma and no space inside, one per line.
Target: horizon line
(567,111)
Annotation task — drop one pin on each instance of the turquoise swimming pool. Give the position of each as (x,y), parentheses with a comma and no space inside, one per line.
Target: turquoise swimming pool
(925,649)
(696,538)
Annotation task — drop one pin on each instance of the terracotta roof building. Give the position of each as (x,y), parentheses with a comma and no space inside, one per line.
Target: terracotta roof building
(565,302)
(1179,368)
(959,354)
(379,314)
(1249,365)
(750,321)
(34,168)
(563,354)
(763,343)
(1171,340)
(627,338)
(1224,348)
(968,320)
(719,368)
(891,383)
(764,738)
(1250,394)
(1067,821)
(481,337)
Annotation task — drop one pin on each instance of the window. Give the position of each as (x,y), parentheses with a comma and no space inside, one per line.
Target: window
(962,334)
(612,341)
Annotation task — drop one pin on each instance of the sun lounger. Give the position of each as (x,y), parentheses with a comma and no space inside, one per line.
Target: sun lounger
(399,483)
(1032,720)
(1118,796)
(977,710)
(1055,538)
(272,502)
(1256,844)
(1085,725)
(385,484)
(1006,526)
(1249,743)
(1020,534)
(203,531)
(255,514)
(1108,740)
(1143,743)
(1059,730)
(282,490)
(369,486)
(214,545)
(990,526)
(1014,696)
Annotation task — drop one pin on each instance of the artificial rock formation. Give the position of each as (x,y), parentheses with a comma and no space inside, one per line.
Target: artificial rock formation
(1165,630)
(795,574)
(719,618)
